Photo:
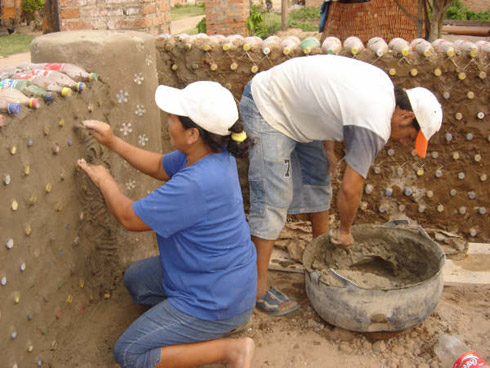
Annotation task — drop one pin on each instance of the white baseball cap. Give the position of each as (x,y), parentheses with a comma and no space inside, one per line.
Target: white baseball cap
(428,112)
(206,103)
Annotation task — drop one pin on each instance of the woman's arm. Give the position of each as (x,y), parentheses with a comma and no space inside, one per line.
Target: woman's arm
(147,162)
(119,205)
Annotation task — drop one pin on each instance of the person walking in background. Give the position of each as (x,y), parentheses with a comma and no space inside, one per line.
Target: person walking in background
(203,284)
(293,113)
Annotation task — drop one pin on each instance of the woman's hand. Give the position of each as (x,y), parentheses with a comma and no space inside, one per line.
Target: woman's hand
(101,131)
(96,173)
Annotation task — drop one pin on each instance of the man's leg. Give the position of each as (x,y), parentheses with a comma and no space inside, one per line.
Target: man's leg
(319,223)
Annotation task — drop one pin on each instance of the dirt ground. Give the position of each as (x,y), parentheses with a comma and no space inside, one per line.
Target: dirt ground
(301,339)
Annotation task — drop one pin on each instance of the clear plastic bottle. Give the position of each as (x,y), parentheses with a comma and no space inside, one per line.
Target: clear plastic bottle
(422,47)
(453,352)
(467,47)
(399,46)
(15,96)
(270,43)
(289,44)
(73,71)
(483,46)
(251,42)
(444,46)
(353,44)
(378,45)
(332,45)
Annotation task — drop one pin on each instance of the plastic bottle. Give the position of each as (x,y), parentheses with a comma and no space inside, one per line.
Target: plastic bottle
(56,77)
(73,71)
(353,44)
(289,44)
(15,96)
(399,46)
(8,107)
(483,46)
(422,47)
(308,44)
(26,87)
(466,47)
(251,41)
(232,42)
(332,45)
(453,352)
(378,46)
(444,46)
(270,43)
(44,83)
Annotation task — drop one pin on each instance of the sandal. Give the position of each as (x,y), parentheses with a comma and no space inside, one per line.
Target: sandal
(272,301)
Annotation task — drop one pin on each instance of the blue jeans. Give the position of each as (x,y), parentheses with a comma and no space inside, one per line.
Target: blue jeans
(162,325)
(285,176)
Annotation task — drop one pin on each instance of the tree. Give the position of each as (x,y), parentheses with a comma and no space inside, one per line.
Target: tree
(439,10)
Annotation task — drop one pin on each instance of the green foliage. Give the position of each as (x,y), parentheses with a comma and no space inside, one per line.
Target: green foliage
(29,7)
(309,12)
(180,11)
(305,26)
(15,43)
(201,26)
(458,10)
(255,21)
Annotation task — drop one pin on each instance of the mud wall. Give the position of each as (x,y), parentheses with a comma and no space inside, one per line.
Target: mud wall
(448,190)
(62,251)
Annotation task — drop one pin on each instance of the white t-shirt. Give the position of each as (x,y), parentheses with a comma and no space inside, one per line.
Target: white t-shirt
(329,97)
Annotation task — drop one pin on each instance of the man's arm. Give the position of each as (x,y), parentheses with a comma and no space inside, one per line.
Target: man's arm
(329,147)
(348,200)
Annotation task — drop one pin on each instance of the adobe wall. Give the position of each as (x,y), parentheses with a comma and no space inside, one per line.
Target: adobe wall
(63,252)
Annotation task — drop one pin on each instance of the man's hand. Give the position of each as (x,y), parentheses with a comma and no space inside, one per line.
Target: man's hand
(329,146)
(101,131)
(96,173)
(343,238)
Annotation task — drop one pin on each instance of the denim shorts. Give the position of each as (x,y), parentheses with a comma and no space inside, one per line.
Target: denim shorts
(285,176)
(163,324)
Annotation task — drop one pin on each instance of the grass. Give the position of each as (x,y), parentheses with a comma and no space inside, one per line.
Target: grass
(15,43)
(185,11)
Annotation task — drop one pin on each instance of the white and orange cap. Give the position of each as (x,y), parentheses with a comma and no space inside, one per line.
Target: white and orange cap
(206,103)
(428,112)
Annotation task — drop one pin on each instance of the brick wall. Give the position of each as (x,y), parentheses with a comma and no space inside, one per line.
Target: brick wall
(227,16)
(152,16)
(11,11)
(374,18)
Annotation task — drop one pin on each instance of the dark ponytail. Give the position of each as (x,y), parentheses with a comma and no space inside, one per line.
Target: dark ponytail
(217,142)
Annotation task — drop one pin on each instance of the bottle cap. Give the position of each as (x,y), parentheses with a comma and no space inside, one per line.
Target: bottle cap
(93,76)
(66,92)
(13,108)
(80,86)
(34,103)
(48,98)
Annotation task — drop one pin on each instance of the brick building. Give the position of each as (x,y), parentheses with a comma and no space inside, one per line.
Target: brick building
(383,18)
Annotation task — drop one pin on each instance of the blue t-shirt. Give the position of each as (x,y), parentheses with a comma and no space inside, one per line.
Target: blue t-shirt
(208,258)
